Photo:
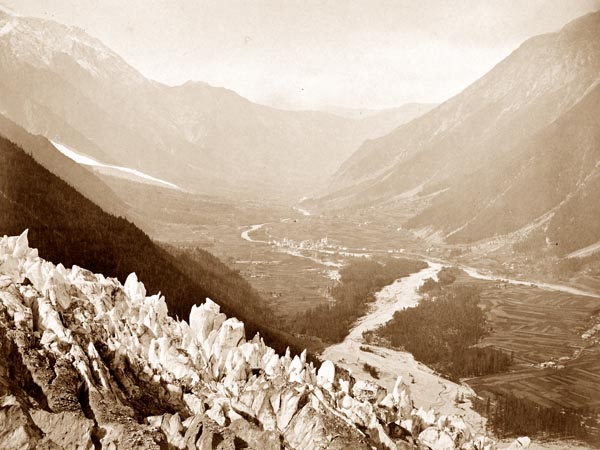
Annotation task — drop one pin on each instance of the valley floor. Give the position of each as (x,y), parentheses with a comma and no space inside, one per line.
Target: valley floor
(293,260)
(428,389)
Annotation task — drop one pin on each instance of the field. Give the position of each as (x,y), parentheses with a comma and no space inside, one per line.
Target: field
(577,385)
(537,327)
(290,283)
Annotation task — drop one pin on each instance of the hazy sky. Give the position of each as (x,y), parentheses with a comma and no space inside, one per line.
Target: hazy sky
(311,53)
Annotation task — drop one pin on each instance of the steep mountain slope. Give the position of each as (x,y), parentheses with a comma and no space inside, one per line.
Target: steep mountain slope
(61,83)
(257,146)
(384,121)
(74,174)
(66,226)
(90,363)
(487,123)
(551,179)
(69,87)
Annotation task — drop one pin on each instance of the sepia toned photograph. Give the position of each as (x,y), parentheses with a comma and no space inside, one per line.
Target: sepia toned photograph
(299,224)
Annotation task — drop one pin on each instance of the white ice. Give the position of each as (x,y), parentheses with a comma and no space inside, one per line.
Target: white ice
(88,161)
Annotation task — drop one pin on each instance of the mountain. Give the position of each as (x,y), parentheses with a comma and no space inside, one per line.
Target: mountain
(59,82)
(380,122)
(66,226)
(552,181)
(90,363)
(514,148)
(77,176)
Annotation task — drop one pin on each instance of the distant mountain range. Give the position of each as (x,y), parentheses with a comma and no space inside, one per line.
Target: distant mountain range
(516,151)
(59,82)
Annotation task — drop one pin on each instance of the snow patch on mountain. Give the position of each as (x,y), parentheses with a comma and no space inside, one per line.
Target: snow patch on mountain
(118,171)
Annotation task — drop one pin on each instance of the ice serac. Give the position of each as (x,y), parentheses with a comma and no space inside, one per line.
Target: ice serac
(90,363)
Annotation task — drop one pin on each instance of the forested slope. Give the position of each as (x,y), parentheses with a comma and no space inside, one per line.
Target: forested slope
(65,226)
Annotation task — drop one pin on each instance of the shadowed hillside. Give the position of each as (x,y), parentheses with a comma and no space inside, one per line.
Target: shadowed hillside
(67,227)
(555,173)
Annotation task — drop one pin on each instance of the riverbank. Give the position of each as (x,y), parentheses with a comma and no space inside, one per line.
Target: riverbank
(428,389)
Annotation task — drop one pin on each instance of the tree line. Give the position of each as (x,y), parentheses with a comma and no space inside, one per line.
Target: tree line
(510,415)
(442,331)
(359,281)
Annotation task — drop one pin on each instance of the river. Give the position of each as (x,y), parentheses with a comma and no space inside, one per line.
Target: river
(474,273)
(471,271)
(401,294)
(246,234)
(428,389)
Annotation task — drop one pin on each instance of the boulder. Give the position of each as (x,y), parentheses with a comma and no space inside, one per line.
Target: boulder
(134,289)
(290,399)
(194,427)
(365,391)
(17,430)
(520,443)
(21,245)
(326,374)
(436,439)
(254,437)
(205,318)
(69,430)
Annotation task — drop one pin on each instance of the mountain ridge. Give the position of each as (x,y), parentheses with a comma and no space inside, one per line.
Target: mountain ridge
(474,135)
(79,177)
(541,176)
(202,138)
(452,112)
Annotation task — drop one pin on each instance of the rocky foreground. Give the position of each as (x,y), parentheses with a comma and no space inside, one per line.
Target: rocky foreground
(89,363)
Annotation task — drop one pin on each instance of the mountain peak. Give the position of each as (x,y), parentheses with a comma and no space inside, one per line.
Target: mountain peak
(528,90)
(44,42)
(588,23)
